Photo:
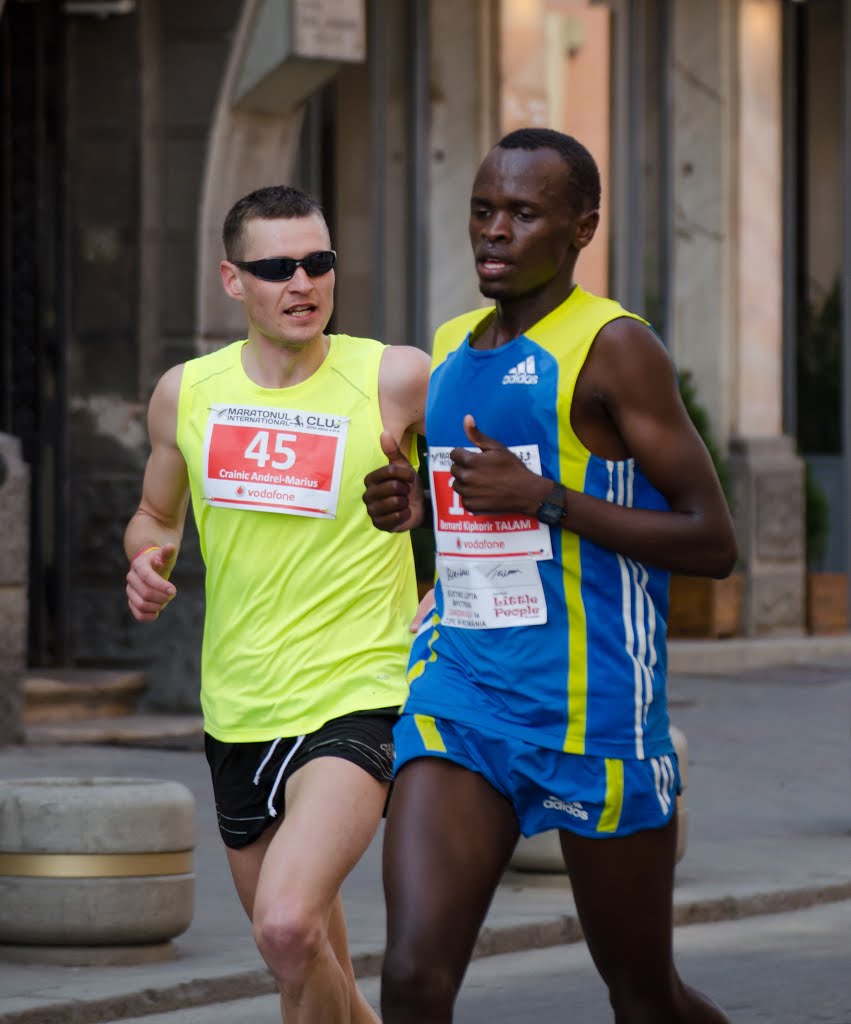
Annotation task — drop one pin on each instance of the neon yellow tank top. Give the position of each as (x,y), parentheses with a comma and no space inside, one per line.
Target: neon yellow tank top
(307,604)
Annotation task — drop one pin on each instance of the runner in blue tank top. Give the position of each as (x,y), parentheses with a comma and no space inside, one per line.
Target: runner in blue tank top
(567,482)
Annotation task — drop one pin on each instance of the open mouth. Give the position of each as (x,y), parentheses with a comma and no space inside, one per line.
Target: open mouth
(490,266)
(301,311)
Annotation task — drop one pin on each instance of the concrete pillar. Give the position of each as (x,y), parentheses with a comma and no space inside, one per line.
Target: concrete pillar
(727,281)
(758,221)
(14,575)
(768,477)
(702,296)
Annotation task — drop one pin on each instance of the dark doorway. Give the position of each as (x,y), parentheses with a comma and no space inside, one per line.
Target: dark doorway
(33,299)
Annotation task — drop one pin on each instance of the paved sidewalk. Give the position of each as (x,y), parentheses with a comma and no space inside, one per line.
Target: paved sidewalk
(769,829)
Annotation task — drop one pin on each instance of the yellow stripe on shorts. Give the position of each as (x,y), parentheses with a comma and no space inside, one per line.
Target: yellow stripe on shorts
(418,667)
(611,816)
(429,733)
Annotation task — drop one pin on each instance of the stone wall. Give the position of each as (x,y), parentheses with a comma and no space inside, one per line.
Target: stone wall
(14,572)
(143,90)
(768,493)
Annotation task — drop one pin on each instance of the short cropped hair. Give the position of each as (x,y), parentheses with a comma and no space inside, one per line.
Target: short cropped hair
(584,174)
(271,203)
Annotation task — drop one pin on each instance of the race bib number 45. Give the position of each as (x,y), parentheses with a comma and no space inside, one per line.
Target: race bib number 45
(275,460)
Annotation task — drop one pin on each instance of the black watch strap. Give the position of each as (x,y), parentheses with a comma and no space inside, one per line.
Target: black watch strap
(551,511)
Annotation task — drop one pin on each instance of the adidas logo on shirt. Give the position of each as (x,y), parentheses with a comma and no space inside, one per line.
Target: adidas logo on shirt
(522,373)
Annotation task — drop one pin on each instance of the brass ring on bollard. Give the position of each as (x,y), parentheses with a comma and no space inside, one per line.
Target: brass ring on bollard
(94,865)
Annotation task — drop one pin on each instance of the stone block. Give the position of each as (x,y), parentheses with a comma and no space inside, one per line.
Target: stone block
(11,705)
(14,513)
(95,862)
(169,650)
(777,600)
(768,508)
(102,506)
(13,625)
(779,499)
(14,576)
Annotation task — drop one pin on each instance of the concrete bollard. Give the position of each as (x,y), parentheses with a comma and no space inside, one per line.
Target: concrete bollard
(14,576)
(88,865)
(542,853)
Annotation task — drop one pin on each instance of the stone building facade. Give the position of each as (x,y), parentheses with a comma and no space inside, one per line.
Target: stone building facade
(129,127)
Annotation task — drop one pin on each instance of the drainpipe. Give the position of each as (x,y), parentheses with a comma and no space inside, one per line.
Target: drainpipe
(418,121)
(846,279)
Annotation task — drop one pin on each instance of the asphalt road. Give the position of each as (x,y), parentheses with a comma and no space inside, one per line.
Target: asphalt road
(792,968)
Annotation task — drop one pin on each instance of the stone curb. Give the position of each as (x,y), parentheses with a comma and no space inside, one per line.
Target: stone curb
(541,934)
(742,654)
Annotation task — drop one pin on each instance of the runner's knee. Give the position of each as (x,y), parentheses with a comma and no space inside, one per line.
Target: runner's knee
(416,982)
(290,939)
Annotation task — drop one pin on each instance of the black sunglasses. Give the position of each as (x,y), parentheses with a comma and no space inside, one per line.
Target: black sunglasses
(282,268)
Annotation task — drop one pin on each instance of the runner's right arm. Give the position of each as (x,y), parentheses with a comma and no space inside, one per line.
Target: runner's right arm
(152,538)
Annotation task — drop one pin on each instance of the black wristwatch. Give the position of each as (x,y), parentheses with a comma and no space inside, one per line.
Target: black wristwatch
(551,511)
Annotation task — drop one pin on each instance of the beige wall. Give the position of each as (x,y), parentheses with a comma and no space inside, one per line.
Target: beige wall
(759,328)
(555,72)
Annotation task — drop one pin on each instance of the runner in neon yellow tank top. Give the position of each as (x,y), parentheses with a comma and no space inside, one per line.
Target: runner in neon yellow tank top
(567,481)
(306,632)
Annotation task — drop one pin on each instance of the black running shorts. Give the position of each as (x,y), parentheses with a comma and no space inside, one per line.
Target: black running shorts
(249,778)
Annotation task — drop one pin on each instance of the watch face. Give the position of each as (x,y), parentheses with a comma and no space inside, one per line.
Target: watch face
(550,513)
(552,510)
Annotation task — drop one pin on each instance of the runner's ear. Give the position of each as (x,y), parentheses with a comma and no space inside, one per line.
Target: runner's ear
(231,280)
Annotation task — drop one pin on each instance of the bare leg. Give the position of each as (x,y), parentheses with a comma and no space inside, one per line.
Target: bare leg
(360,1012)
(289,884)
(623,890)
(448,838)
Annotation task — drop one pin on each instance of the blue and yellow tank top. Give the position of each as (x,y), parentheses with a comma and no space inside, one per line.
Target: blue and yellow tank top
(538,633)
(307,604)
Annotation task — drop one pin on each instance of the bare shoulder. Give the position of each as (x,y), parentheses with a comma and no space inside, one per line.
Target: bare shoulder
(630,342)
(162,410)
(402,387)
(404,364)
(627,352)
(168,386)
(403,373)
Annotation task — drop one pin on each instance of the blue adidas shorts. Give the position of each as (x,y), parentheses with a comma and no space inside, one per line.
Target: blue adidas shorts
(591,796)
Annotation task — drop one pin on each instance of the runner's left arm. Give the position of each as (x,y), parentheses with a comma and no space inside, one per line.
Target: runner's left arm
(393,493)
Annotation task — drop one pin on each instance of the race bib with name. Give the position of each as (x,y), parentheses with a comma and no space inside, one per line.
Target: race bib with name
(461,534)
(274,460)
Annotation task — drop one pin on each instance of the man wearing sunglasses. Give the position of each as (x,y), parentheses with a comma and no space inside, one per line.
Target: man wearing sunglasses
(307,605)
